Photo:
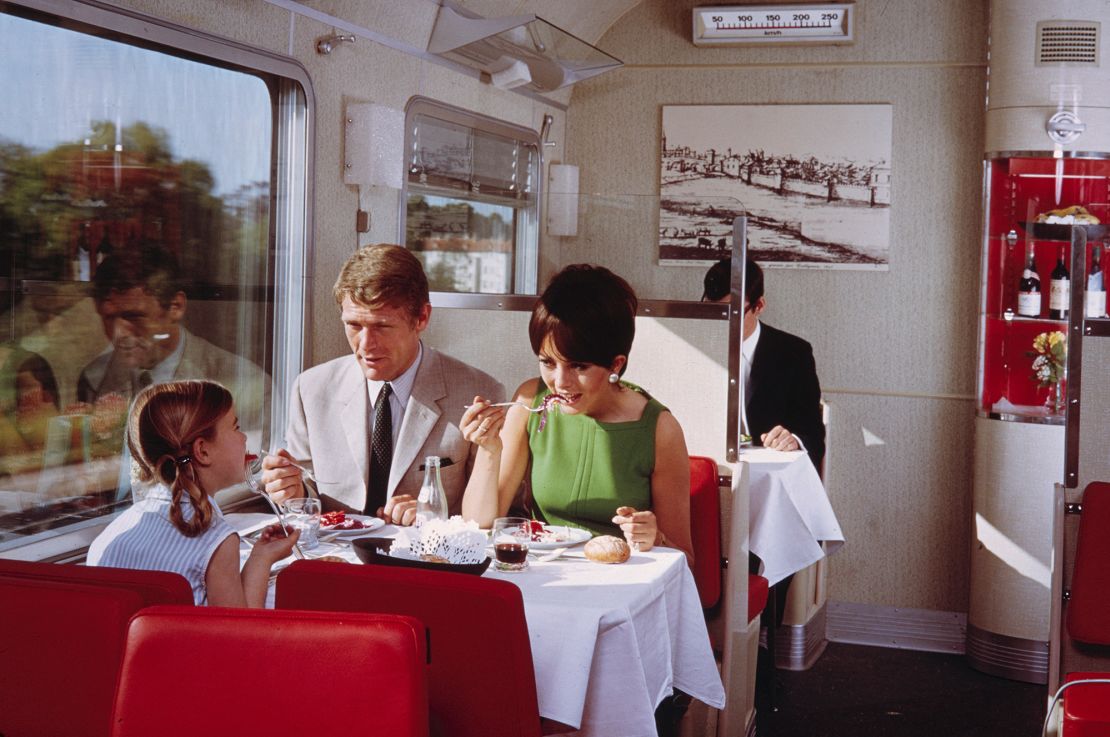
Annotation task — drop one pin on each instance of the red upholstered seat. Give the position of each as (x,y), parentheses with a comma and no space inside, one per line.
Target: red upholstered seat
(705,534)
(155,587)
(62,631)
(481,680)
(1089,605)
(757,595)
(705,529)
(216,672)
(1086,707)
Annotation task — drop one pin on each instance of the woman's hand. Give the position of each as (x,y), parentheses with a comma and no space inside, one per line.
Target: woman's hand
(481,424)
(273,544)
(280,478)
(640,528)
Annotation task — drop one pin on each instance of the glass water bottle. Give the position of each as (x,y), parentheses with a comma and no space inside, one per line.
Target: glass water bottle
(432,502)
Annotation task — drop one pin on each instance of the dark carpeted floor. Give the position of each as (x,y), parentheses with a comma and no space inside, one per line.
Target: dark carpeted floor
(858,691)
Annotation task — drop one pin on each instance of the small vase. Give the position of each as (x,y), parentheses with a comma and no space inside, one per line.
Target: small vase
(1054,403)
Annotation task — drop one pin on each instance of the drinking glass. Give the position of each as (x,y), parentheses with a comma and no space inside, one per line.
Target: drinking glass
(510,543)
(304,514)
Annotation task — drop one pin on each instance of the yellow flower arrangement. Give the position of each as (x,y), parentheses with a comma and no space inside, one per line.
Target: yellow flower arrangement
(1050,350)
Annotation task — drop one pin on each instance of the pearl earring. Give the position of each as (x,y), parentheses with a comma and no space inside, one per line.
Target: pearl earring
(614,377)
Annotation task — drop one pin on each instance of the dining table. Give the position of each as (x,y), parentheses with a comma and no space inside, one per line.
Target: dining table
(789,513)
(609,642)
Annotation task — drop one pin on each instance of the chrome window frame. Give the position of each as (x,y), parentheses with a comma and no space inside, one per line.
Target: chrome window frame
(291,221)
(526,260)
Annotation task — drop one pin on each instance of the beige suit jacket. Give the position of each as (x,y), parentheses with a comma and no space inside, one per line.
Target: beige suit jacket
(328,426)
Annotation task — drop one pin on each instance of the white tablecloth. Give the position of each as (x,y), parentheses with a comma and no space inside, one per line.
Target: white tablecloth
(789,512)
(609,642)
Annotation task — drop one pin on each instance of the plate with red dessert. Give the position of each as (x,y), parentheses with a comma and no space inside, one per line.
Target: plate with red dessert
(347,525)
(549,537)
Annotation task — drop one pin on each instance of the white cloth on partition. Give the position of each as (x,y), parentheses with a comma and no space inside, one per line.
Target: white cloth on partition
(789,512)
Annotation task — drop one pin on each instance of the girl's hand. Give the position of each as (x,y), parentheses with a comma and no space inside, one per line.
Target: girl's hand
(273,544)
(640,528)
(481,424)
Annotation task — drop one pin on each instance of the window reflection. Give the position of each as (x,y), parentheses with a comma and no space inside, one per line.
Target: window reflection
(134,248)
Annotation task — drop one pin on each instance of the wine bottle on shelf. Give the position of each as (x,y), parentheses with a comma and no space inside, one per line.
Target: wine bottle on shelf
(1096,287)
(1029,289)
(1059,290)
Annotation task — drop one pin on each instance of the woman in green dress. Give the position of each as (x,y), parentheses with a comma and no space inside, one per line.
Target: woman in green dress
(602,454)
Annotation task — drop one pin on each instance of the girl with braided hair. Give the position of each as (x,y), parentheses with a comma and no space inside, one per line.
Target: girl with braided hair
(185,438)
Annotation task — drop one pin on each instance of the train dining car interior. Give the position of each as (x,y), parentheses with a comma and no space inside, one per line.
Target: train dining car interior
(815,287)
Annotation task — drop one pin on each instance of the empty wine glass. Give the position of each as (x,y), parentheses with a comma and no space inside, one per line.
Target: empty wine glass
(304,514)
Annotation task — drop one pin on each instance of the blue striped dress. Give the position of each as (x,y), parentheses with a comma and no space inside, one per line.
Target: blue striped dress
(144,538)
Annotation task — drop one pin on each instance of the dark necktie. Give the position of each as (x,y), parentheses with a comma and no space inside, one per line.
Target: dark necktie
(381,452)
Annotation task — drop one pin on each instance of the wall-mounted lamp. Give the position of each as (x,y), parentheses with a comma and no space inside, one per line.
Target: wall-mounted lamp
(327,43)
(514,75)
(562,199)
(373,146)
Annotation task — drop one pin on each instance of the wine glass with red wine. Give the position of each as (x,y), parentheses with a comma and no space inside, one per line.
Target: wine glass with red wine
(511,536)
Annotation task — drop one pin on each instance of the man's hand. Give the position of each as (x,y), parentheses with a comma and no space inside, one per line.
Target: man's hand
(779,438)
(280,478)
(399,510)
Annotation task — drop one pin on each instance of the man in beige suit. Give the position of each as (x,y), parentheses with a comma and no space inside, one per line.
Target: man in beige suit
(365,422)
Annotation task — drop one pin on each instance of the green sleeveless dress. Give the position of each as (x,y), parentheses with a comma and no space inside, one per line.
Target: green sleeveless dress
(582,469)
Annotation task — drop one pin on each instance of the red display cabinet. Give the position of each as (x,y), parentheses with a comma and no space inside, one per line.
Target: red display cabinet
(1018,189)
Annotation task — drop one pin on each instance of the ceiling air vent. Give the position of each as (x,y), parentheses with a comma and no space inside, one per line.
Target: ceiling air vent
(1070,42)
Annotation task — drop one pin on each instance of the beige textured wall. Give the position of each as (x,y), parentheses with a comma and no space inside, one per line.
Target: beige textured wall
(895,350)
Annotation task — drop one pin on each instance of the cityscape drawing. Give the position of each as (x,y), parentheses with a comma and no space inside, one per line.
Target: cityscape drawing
(814,181)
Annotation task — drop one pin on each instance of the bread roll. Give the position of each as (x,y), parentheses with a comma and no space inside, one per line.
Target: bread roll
(608,549)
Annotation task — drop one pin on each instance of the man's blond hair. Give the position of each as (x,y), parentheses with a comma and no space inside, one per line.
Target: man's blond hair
(384,275)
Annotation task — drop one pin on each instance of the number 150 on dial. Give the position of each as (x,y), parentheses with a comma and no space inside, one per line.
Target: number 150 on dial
(744,24)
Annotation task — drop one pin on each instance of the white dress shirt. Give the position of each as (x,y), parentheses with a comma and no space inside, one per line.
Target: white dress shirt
(747,353)
(398,400)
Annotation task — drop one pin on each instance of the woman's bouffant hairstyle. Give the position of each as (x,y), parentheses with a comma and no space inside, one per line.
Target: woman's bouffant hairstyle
(165,420)
(590,314)
(384,275)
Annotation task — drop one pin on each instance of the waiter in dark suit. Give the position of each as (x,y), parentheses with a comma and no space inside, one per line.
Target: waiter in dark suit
(781,390)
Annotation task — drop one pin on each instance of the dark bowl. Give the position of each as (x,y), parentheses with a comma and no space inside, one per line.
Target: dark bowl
(375,551)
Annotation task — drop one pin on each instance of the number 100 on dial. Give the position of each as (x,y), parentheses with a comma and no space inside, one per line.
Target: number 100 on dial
(745,24)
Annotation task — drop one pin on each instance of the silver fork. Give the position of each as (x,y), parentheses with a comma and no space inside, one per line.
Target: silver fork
(252,484)
(510,404)
(304,470)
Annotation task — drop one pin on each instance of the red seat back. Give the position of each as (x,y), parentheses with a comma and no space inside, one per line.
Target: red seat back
(154,587)
(481,680)
(705,529)
(61,633)
(1088,617)
(60,650)
(757,595)
(216,672)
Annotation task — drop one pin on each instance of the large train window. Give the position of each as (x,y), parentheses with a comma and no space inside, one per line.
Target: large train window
(153,227)
(471,199)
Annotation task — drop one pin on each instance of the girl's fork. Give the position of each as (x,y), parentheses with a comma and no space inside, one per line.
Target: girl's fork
(252,483)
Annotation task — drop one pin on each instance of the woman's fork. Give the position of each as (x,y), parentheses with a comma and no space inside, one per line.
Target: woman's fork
(510,404)
(253,468)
